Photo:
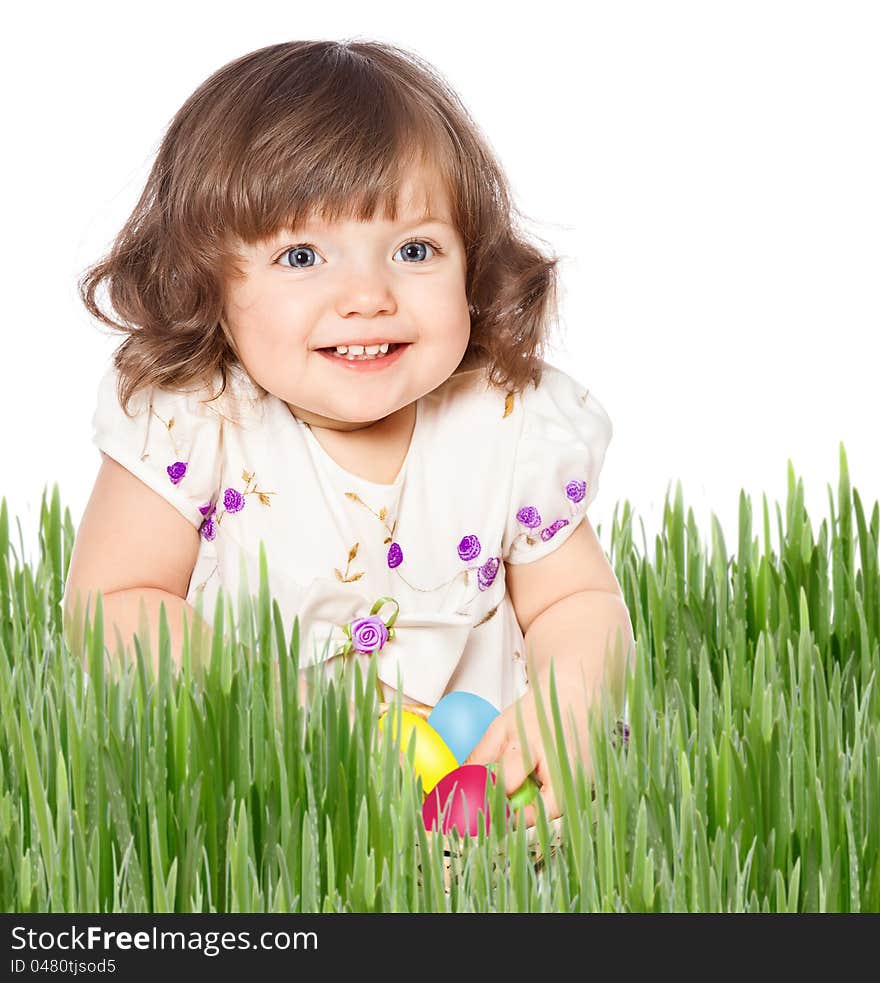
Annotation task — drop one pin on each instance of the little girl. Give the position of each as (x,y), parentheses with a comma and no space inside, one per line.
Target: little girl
(332,351)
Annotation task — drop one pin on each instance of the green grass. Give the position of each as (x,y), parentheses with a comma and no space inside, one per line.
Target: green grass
(751,781)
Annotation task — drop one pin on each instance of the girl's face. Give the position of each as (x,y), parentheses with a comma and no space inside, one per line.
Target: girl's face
(354,283)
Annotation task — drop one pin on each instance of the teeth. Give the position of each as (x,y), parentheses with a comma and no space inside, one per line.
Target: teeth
(359,349)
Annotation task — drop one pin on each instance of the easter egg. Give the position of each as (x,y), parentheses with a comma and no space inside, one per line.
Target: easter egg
(522,796)
(433,758)
(525,794)
(466,787)
(461,719)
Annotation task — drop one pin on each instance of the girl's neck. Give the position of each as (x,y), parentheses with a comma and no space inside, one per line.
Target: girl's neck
(401,419)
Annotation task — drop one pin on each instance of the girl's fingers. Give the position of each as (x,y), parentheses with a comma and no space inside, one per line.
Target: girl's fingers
(527,816)
(516,768)
(490,745)
(551,806)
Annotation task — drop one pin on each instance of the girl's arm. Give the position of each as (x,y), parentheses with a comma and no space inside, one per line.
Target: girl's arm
(123,614)
(131,545)
(123,611)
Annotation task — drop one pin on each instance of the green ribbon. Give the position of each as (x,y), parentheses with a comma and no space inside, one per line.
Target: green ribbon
(348,648)
(389,625)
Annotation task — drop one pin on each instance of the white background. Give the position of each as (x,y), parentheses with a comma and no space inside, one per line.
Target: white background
(707,170)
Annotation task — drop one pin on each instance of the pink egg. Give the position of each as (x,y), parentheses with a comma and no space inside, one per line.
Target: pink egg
(467,787)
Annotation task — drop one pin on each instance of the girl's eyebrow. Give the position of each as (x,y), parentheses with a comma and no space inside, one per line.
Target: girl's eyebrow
(312,223)
(425,219)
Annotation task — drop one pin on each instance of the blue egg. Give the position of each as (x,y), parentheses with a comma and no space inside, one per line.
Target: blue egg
(461,719)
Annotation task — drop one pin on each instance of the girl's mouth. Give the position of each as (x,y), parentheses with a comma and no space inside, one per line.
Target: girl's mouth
(368,363)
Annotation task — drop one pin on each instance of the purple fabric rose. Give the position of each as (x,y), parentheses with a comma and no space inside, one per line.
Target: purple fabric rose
(233,501)
(529,516)
(576,490)
(486,573)
(469,548)
(208,530)
(368,634)
(176,471)
(395,555)
(551,530)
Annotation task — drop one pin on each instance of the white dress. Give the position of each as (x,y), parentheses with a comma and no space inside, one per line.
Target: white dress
(490,478)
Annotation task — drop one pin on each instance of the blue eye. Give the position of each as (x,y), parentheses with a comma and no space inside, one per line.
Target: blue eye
(298,253)
(414,250)
(304,256)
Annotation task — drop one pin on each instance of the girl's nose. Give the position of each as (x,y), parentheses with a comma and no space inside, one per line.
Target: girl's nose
(366,292)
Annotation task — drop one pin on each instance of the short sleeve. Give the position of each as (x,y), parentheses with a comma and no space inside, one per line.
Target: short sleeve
(561,449)
(172,442)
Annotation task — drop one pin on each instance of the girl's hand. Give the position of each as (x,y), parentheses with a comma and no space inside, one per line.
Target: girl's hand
(502,743)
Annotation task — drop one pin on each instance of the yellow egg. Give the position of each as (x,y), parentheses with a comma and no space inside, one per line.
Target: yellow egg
(433,758)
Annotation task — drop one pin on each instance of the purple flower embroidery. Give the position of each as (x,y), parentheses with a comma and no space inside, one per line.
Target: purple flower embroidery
(551,530)
(395,555)
(529,516)
(233,501)
(576,490)
(176,471)
(368,634)
(208,530)
(469,548)
(486,573)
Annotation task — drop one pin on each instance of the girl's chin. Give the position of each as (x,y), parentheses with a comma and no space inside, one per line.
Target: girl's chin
(341,426)
(330,423)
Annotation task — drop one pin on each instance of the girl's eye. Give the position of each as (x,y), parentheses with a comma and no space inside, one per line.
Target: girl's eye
(413,250)
(305,256)
(300,257)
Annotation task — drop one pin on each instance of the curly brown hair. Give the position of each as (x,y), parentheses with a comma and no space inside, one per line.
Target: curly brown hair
(293,130)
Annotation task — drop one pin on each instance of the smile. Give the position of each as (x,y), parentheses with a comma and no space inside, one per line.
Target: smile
(365,362)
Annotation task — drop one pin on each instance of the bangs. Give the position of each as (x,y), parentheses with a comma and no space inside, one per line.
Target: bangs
(344,153)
